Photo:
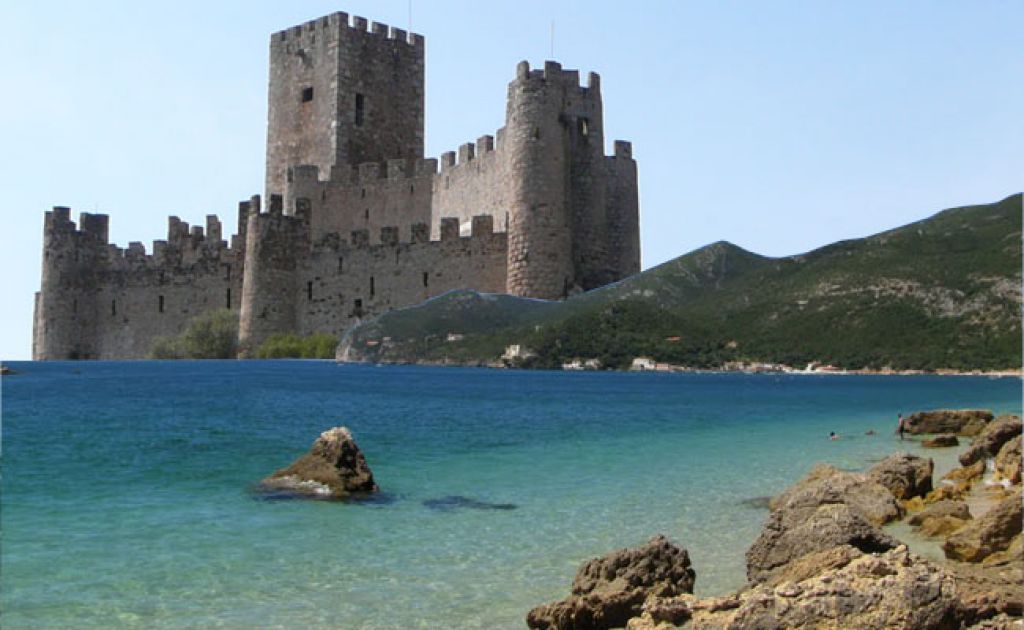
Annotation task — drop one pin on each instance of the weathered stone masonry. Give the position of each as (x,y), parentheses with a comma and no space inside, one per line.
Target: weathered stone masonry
(358,221)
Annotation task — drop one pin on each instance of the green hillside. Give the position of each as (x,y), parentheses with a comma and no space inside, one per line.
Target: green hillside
(944,292)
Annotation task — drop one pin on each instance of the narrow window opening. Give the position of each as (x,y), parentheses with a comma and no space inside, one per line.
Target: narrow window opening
(227,272)
(160,304)
(366,214)
(362,194)
(412,190)
(113,307)
(307,94)
(309,290)
(584,127)
(360,107)
(227,299)
(341,264)
(426,278)
(358,310)
(372,287)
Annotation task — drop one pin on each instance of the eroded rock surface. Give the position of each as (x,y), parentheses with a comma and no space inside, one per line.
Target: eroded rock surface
(988,443)
(959,421)
(991,588)
(825,484)
(608,591)
(890,590)
(906,476)
(941,441)
(992,532)
(1008,461)
(334,468)
(789,534)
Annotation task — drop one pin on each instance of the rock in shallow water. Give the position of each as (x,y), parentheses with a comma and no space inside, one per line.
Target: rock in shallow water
(906,476)
(941,441)
(1008,461)
(988,534)
(958,421)
(334,468)
(608,591)
(991,439)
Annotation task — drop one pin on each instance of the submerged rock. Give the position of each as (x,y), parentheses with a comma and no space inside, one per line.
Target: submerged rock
(992,532)
(454,502)
(333,468)
(6,371)
(991,439)
(906,476)
(941,441)
(956,509)
(890,590)
(1008,461)
(608,591)
(959,421)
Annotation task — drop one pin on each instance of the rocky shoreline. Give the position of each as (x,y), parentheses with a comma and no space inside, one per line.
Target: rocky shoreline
(822,559)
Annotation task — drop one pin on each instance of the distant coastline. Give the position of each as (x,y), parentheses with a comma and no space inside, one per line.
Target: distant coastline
(678,369)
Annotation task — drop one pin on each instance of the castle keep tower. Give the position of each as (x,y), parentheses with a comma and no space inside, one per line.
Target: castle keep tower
(342,95)
(356,221)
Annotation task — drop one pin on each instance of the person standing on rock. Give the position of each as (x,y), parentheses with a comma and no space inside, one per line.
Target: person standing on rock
(900,427)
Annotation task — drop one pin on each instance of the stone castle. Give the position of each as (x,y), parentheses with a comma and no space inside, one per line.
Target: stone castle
(358,221)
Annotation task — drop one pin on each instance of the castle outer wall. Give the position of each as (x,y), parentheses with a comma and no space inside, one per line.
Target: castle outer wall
(356,221)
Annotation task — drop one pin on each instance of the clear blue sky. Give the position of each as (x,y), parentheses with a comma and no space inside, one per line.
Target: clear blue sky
(779,126)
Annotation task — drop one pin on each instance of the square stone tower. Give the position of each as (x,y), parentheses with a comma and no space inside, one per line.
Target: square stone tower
(342,94)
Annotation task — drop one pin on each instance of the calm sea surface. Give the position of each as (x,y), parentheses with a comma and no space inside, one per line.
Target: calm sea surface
(127,487)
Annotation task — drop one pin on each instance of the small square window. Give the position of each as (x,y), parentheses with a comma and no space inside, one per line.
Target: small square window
(307,94)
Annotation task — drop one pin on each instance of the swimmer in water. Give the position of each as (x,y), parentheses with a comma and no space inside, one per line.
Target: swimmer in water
(833,436)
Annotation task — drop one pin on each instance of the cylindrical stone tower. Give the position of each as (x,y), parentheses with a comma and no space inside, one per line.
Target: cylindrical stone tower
(540,260)
(274,242)
(66,309)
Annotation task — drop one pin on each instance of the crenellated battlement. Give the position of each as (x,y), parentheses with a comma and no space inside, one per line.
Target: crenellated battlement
(469,152)
(554,74)
(482,227)
(369,172)
(91,228)
(339,24)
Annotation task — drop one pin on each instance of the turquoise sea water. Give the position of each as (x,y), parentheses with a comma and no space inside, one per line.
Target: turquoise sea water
(127,487)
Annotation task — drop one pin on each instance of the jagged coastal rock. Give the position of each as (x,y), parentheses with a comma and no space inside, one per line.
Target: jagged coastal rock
(941,441)
(826,484)
(992,532)
(608,591)
(889,590)
(794,531)
(991,439)
(822,561)
(334,468)
(966,422)
(1008,461)
(906,476)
